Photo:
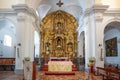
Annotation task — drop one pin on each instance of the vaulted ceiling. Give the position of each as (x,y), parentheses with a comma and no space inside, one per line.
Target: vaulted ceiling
(6,24)
(73,7)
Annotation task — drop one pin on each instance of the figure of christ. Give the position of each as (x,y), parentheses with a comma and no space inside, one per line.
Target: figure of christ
(58,43)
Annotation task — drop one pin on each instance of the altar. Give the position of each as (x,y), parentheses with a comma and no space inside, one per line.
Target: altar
(60,66)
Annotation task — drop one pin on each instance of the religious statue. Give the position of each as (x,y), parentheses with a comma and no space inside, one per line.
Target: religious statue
(58,28)
(70,47)
(58,43)
(47,48)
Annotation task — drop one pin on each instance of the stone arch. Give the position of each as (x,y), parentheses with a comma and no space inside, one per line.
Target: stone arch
(104,26)
(115,34)
(107,22)
(10,20)
(82,43)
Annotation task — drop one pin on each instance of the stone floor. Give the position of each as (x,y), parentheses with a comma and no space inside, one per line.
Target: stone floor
(9,75)
(79,75)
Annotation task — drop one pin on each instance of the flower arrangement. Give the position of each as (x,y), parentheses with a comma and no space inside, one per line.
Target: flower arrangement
(26,58)
(90,64)
(92,59)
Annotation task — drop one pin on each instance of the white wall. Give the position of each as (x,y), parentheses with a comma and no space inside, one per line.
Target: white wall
(37,44)
(113,4)
(109,35)
(8,3)
(80,44)
(6,51)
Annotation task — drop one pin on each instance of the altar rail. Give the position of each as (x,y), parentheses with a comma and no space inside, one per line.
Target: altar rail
(7,64)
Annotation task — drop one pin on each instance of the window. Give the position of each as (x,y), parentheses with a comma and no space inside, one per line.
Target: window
(7,40)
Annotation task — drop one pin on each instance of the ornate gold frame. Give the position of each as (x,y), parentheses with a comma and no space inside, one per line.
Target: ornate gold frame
(59,35)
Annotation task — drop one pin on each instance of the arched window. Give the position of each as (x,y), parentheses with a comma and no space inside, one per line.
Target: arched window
(7,40)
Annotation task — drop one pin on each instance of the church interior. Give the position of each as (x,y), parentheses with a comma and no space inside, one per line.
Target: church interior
(59,39)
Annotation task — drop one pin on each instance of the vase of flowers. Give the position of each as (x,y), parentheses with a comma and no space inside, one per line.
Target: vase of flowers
(91,64)
(92,59)
(26,58)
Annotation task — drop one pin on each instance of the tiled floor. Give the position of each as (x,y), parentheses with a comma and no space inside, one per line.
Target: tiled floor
(9,75)
(79,75)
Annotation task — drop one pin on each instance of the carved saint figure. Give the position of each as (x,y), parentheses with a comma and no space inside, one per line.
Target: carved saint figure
(47,48)
(59,43)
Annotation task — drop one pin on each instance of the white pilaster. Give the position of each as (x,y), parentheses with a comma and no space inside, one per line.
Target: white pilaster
(99,11)
(25,26)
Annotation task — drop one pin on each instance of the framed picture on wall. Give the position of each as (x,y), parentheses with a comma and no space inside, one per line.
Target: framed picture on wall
(111,47)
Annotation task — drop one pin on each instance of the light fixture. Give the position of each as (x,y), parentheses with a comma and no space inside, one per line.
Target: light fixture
(19,44)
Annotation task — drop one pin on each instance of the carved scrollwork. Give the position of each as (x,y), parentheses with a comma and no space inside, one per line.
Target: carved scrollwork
(59,29)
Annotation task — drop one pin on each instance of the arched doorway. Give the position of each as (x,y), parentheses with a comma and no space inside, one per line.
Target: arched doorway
(36,46)
(7,43)
(81,51)
(81,47)
(112,44)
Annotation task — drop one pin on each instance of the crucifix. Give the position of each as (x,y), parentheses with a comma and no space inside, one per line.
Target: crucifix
(59,3)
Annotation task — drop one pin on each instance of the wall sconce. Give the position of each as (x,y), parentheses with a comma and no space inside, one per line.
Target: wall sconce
(19,44)
(100,45)
(101,58)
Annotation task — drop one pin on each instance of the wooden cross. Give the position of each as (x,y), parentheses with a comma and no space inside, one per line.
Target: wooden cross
(59,3)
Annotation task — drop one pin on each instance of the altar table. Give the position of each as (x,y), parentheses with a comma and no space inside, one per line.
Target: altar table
(60,66)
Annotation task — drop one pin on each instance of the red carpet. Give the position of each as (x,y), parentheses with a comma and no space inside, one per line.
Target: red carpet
(59,73)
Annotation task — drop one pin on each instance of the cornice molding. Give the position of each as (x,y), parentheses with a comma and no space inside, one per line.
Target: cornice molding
(7,11)
(95,9)
(100,8)
(112,12)
(24,8)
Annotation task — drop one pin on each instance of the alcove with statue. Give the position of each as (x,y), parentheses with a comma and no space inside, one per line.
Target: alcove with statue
(59,35)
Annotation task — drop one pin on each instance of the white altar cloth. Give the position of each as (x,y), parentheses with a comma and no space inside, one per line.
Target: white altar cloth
(60,66)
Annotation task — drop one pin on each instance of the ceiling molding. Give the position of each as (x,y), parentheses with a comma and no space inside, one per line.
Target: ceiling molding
(24,8)
(7,11)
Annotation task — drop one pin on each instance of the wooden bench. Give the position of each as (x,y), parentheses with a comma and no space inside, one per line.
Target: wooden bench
(109,73)
(7,64)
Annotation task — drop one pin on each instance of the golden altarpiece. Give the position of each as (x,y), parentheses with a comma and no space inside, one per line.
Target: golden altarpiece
(59,35)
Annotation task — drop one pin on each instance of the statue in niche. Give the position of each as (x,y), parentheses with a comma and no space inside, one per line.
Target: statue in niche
(70,47)
(47,48)
(58,43)
(59,28)
(59,49)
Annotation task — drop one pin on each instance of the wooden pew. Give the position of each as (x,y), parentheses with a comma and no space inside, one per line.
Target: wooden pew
(7,64)
(109,73)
